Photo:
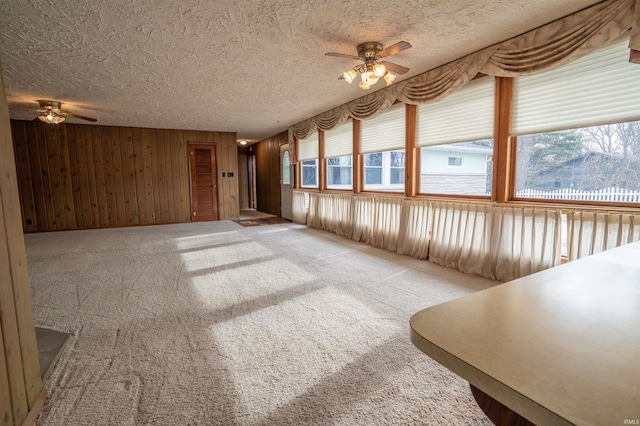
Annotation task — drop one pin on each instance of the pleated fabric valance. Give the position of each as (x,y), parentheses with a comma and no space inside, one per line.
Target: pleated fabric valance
(546,47)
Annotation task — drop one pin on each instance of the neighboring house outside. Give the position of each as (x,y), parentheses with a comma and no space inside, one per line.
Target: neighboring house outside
(589,172)
(456,169)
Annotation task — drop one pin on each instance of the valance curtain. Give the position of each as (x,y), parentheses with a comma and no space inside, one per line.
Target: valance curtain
(376,220)
(525,240)
(590,232)
(549,46)
(299,207)
(498,242)
(331,212)
(415,228)
(461,237)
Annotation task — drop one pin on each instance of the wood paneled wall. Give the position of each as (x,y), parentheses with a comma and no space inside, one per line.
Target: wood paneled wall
(76,176)
(20,384)
(268,173)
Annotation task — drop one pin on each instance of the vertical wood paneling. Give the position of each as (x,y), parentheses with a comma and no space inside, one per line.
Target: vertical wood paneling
(20,355)
(132,202)
(75,180)
(153,152)
(139,172)
(109,181)
(183,177)
(6,417)
(83,172)
(65,181)
(55,177)
(47,197)
(91,177)
(170,212)
(82,176)
(118,177)
(178,208)
(146,173)
(268,173)
(25,186)
(36,178)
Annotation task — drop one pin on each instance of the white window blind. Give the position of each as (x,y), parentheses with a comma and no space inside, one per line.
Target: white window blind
(338,141)
(465,115)
(385,132)
(308,148)
(600,88)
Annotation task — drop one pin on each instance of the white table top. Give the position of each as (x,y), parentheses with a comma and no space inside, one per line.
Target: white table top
(558,347)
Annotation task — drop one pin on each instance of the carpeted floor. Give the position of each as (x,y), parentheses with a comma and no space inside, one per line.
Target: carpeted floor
(218,324)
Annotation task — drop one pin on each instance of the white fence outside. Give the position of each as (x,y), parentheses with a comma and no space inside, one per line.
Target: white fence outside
(607,194)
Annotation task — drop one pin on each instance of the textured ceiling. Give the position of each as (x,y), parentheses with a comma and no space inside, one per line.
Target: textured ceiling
(253,67)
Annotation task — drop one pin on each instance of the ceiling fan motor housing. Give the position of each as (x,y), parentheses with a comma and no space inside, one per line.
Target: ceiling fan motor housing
(369,50)
(50,105)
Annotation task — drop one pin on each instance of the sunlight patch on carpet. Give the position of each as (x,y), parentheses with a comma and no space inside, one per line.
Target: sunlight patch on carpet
(203,240)
(225,255)
(249,284)
(288,348)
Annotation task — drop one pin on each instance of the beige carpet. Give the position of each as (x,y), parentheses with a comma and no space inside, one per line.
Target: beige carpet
(218,324)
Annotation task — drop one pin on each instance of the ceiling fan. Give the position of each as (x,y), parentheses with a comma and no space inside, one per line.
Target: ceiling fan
(370,52)
(52,113)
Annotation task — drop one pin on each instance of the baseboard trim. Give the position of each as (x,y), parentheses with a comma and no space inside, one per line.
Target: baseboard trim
(31,418)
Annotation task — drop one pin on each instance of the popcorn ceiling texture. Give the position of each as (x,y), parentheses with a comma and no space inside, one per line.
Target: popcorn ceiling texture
(252,67)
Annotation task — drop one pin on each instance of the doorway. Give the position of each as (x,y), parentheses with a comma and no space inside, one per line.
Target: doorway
(251,164)
(204,182)
(286,191)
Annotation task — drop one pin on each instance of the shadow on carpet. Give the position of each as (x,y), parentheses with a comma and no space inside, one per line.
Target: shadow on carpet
(261,222)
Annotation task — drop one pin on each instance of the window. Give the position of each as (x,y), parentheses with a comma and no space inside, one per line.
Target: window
(599,163)
(455,139)
(309,173)
(308,156)
(455,161)
(578,134)
(384,171)
(286,169)
(463,168)
(339,172)
(338,147)
(382,143)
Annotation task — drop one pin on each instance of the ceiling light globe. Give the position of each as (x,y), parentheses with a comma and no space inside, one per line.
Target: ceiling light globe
(364,86)
(349,75)
(379,70)
(389,77)
(369,78)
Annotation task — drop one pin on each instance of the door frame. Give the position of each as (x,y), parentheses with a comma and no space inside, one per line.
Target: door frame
(191,146)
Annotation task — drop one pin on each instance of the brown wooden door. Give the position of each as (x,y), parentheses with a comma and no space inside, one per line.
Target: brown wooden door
(204,182)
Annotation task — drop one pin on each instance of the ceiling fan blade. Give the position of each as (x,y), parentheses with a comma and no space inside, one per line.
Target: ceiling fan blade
(393,49)
(342,55)
(81,117)
(398,69)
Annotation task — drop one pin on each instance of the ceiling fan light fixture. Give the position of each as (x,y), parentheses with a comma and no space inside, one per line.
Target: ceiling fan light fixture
(389,77)
(370,52)
(369,78)
(350,75)
(379,70)
(50,118)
